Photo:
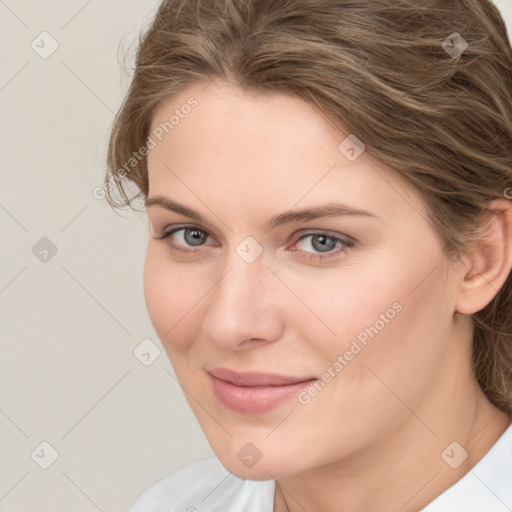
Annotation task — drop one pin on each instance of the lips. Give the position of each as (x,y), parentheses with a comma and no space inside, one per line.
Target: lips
(254,393)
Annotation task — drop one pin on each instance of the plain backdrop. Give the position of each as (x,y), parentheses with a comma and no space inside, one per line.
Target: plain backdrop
(85,424)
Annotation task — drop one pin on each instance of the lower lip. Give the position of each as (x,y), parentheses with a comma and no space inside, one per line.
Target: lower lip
(255,399)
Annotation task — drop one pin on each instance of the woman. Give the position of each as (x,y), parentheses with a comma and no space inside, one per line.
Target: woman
(329,261)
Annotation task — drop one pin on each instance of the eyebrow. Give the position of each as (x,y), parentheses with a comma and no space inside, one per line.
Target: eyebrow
(326,210)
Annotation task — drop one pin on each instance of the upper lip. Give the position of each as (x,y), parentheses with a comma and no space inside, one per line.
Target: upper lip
(255,378)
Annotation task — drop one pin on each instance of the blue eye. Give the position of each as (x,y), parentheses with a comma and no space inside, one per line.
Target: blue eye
(325,243)
(192,235)
(322,242)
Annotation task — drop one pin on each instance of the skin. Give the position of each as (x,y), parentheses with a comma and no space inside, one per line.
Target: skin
(372,439)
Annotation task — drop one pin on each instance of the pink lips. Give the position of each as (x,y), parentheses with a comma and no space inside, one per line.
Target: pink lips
(254,393)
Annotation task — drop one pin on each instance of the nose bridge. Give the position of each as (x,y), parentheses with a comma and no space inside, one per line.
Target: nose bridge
(240,304)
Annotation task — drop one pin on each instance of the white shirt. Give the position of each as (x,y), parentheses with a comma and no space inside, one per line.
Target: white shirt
(206,486)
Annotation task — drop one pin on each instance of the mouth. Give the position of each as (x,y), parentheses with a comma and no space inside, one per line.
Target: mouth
(255,393)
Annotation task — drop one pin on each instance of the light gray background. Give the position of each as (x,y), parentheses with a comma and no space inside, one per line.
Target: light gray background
(70,323)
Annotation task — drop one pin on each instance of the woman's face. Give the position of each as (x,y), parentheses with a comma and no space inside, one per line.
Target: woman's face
(353,310)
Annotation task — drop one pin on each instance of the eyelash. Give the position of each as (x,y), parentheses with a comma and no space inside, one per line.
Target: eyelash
(313,256)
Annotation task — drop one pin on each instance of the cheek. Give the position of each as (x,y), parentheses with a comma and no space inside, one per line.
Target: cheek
(395,336)
(343,305)
(170,297)
(390,318)
(395,364)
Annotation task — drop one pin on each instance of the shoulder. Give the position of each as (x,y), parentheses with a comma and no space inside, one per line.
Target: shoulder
(485,487)
(206,485)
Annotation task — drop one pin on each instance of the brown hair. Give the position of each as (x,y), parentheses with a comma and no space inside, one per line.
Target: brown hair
(390,72)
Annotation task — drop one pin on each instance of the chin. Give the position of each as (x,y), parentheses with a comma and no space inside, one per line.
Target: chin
(259,471)
(262,469)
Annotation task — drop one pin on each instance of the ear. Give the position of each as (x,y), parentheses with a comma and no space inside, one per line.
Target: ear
(488,263)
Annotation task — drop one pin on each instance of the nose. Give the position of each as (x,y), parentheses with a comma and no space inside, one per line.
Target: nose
(243,308)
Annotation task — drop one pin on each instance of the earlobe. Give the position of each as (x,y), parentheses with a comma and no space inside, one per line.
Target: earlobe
(489,262)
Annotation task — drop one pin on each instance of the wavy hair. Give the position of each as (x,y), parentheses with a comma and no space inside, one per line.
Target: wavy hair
(397,73)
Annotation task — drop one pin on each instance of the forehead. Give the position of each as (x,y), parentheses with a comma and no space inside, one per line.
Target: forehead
(231,122)
(243,146)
